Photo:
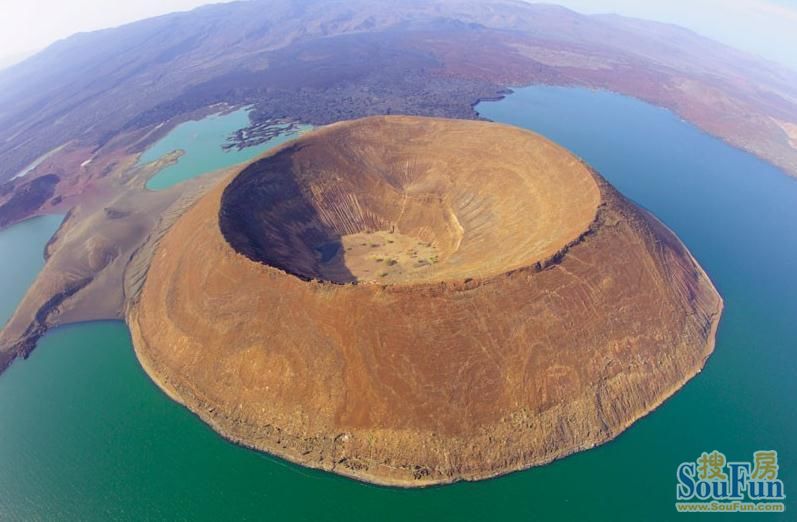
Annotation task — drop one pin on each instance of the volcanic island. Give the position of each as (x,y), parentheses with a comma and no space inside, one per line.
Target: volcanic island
(413,301)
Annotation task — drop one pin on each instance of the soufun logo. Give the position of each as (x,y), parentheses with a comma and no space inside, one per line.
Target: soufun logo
(742,486)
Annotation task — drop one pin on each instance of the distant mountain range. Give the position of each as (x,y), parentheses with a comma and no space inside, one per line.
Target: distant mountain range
(321,61)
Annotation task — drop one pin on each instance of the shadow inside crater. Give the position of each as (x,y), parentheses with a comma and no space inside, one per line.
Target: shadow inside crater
(268,217)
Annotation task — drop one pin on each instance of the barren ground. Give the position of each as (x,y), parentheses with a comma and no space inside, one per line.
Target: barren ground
(493,359)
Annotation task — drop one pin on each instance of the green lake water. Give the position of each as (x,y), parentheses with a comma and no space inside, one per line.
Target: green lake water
(21,249)
(84,434)
(201,143)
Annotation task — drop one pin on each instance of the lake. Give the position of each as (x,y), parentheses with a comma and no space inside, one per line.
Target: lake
(21,247)
(84,434)
(201,142)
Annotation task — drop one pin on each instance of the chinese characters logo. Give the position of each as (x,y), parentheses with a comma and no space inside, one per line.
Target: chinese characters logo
(712,483)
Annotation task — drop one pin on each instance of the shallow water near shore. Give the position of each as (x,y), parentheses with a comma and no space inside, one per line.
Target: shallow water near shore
(84,433)
(201,142)
(21,248)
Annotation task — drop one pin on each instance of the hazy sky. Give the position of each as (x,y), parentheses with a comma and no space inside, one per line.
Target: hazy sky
(765,27)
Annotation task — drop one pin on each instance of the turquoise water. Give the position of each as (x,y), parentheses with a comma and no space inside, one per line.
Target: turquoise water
(85,435)
(201,143)
(21,258)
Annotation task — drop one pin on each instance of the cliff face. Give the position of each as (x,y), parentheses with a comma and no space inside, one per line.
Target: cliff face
(554,314)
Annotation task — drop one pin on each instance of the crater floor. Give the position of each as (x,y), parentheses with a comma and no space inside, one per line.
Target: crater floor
(412,301)
(469,205)
(381,256)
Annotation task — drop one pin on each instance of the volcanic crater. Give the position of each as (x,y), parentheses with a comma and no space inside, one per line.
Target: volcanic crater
(347,206)
(411,301)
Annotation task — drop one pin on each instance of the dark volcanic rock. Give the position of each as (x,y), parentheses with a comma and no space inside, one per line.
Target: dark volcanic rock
(27,198)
